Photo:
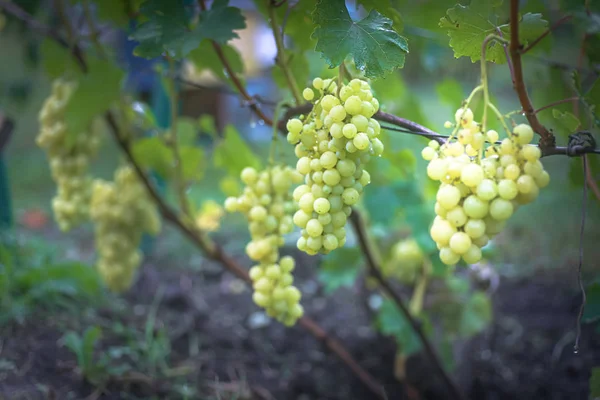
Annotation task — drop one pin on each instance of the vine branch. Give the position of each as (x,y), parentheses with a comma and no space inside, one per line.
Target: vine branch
(211,249)
(546,33)
(234,78)
(375,272)
(548,139)
(281,57)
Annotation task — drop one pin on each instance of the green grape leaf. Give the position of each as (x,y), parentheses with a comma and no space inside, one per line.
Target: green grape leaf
(192,162)
(58,60)
(206,122)
(114,11)
(566,119)
(187,132)
(595,383)
(233,154)
(592,305)
(95,93)
(299,18)
(340,268)
(377,49)
(154,154)
(387,9)
(299,67)
(476,315)
(204,57)
(391,322)
(467,29)
(450,92)
(167,28)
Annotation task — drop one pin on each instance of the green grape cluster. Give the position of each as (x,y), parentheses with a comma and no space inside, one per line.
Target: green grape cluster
(267,205)
(332,143)
(405,262)
(482,184)
(121,212)
(68,162)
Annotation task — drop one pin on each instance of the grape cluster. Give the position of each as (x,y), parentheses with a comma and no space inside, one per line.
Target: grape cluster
(406,261)
(483,182)
(68,163)
(121,211)
(332,144)
(267,205)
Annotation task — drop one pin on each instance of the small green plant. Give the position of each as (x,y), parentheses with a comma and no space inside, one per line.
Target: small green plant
(83,347)
(31,278)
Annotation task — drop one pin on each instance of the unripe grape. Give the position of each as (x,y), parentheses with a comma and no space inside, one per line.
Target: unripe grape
(543,179)
(460,243)
(449,257)
(473,255)
(487,190)
(475,228)
(294,125)
(448,196)
(353,105)
(475,207)
(523,133)
(308,94)
(428,153)
(437,169)
(456,216)
(507,189)
(322,206)
(525,184)
(492,136)
(442,231)
(501,209)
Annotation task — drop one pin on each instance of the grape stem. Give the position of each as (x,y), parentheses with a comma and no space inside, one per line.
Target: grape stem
(94,36)
(281,58)
(547,139)
(171,141)
(234,78)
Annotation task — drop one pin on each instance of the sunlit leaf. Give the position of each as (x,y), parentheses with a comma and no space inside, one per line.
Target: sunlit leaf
(376,48)
(154,154)
(566,119)
(95,93)
(387,9)
(468,27)
(192,162)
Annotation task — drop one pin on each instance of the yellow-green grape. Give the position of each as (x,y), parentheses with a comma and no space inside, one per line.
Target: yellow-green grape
(68,160)
(121,212)
(268,205)
(333,143)
(478,194)
(405,262)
